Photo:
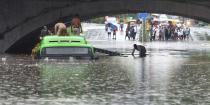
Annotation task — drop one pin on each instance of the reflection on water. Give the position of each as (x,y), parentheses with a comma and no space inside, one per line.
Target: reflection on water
(176,77)
(79,78)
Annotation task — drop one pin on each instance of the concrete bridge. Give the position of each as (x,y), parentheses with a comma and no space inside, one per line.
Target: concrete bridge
(21,20)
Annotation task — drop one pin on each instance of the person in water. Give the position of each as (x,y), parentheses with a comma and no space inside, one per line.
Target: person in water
(140,48)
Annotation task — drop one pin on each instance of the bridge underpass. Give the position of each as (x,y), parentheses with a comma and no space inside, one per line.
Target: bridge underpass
(171,73)
(23,19)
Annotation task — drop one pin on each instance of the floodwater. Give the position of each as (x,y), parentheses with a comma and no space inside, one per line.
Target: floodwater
(173,73)
(166,76)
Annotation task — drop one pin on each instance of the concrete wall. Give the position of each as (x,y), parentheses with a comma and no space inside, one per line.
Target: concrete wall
(21,19)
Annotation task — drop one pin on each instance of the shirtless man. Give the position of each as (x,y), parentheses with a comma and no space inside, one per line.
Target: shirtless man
(76,26)
(60,29)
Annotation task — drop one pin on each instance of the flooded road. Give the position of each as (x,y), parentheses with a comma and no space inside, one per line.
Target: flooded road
(164,76)
(173,73)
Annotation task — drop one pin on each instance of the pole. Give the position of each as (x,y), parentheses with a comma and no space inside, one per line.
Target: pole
(144,31)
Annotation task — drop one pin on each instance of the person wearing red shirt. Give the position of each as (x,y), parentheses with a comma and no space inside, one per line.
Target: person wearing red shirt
(76,26)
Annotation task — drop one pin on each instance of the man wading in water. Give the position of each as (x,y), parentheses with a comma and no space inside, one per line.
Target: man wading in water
(140,48)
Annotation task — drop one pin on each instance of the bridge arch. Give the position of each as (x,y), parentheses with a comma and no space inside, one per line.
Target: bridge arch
(22,35)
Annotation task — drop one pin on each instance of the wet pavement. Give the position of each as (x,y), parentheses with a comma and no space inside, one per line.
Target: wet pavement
(173,73)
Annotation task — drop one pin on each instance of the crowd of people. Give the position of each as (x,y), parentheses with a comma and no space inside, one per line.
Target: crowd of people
(169,32)
(157,31)
(111,30)
(60,28)
(131,31)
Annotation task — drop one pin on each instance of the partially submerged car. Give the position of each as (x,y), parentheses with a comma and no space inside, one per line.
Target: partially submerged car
(63,46)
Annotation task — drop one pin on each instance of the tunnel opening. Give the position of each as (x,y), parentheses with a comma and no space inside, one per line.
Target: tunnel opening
(25,44)
(46,12)
(28,42)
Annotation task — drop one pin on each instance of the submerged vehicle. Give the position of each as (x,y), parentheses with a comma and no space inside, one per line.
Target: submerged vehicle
(63,46)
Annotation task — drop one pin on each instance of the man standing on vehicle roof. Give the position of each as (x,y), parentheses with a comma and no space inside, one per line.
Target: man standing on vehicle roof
(45,31)
(76,26)
(60,29)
